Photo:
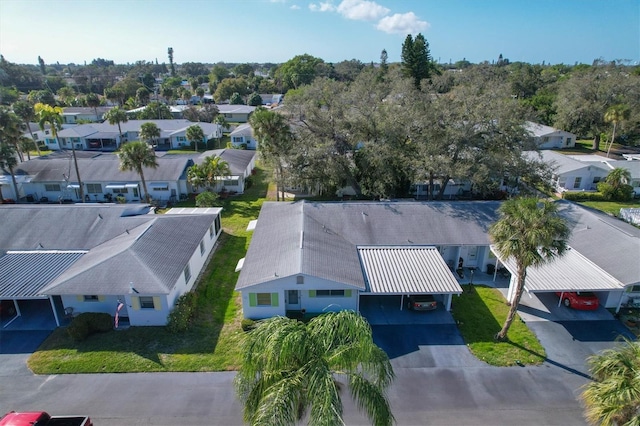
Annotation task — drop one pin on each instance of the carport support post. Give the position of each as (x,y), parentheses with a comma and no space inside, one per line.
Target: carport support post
(55,313)
(401,301)
(447,301)
(560,301)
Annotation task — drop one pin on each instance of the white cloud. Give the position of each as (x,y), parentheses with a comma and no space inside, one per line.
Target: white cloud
(362,10)
(322,7)
(294,7)
(402,23)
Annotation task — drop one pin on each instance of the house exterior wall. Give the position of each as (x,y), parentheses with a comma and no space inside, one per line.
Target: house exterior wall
(560,139)
(309,300)
(584,179)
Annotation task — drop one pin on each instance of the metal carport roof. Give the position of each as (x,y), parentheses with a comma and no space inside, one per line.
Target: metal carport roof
(571,272)
(406,270)
(24,273)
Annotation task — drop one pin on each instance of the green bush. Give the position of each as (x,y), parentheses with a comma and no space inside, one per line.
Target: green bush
(247,324)
(207,199)
(619,193)
(583,196)
(89,323)
(183,312)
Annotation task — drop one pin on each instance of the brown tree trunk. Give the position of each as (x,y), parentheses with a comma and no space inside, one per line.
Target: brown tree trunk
(513,310)
(75,161)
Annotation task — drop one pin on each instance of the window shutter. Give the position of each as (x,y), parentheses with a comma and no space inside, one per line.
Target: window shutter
(274,299)
(80,298)
(312,293)
(347,293)
(101,298)
(135,303)
(157,303)
(253,299)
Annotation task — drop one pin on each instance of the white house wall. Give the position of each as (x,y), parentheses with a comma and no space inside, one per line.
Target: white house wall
(310,303)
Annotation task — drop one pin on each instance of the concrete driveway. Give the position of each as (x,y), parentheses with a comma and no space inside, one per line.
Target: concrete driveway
(415,339)
(569,336)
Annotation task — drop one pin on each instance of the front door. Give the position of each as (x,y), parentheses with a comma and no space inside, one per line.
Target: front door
(293,300)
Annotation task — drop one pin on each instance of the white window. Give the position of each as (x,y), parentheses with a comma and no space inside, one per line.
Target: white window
(52,187)
(120,190)
(90,298)
(231,182)
(187,273)
(146,302)
(263,299)
(577,182)
(94,188)
(329,293)
(300,279)
(202,248)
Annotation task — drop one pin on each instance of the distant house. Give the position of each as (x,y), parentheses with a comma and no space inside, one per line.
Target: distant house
(242,137)
(547,137)
(241,163)
(271,99)
(583,172)
(236,113)
(103,258)
(74,115)
(106,137)
(570,174)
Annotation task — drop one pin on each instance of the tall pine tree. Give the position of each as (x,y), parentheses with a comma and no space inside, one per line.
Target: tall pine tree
(416,59)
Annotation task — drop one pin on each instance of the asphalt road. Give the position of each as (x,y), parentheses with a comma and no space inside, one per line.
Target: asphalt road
(438,382)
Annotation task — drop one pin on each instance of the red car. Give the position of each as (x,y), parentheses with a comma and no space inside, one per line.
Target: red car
(583,300)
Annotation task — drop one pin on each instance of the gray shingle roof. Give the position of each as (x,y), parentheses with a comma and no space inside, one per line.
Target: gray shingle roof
(608,242)
(100,168)
(149,250)
(151,256)
(237,159)
(321,239)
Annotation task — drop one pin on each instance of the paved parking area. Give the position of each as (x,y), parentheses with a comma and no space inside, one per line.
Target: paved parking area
(385,310)
(544,307)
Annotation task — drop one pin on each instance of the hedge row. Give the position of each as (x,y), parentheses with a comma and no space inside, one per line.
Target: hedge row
(89,323)
(182,314)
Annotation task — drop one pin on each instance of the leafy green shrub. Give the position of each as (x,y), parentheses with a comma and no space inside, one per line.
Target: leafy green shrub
(207,199)
(247,324)
(583,196)
(248,182)
(182,314)
(616,193)
(89,323)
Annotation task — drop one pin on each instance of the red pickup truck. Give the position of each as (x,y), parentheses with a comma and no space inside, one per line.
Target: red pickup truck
(41,418)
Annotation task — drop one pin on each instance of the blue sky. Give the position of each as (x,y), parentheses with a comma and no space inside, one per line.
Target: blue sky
(553,31)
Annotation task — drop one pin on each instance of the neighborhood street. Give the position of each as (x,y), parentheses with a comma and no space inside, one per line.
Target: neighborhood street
(438,381)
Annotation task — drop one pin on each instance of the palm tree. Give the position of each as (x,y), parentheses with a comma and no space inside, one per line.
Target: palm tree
(93,101)
(613,397)
(117,115)
(531,231)
(9,137)
(136,156)
(46,114)
(149,132)
(274,141)
(223,123)
(616,114)
(207,173)
(618,177)
(25,111)
(290,366)
(195,134)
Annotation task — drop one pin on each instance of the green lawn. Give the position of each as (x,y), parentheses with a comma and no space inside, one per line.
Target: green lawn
(611,207)
(212,344)
(480,312)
